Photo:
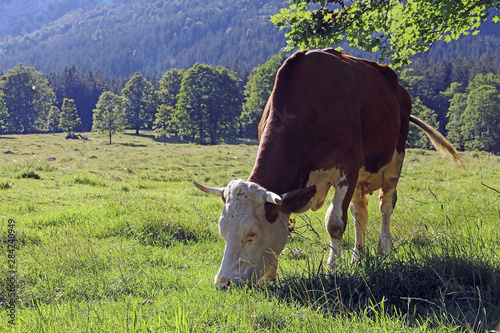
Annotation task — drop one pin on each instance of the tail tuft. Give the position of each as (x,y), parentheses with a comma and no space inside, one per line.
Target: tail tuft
(440,143)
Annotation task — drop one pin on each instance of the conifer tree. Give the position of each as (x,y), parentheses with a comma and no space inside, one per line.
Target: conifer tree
(53,119)
(69,120)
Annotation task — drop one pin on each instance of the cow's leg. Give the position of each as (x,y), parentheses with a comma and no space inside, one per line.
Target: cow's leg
(388,197)
(336,215)
(359,212)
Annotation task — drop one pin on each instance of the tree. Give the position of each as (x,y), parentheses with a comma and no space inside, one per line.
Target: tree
(427,80)
(458,104)
(28,99)
(164,123)
(139,102)
(257,90)
(109,114)
(53,119)
(170,85)
(68,119)
(397,29)
(489,79)
(209,104)
(416,137)
(4,113)
(481,119)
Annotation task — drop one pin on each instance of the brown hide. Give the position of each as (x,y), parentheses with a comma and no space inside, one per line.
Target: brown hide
(329,110)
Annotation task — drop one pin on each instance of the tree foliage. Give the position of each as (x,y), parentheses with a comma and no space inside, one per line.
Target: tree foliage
(164,123)
(396,29)
(4,112)
(28,98)
(68,118)
(257,90)
(481,119)
(416,137)
(53,119)
(109,114)
(458,103)
(123,36)
(170,85)
(139,102)
(474,115)
(208,105)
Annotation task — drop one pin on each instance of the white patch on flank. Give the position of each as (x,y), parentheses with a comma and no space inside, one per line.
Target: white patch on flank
(323,179)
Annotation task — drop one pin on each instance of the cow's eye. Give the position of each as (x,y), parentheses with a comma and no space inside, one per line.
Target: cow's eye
(252,236)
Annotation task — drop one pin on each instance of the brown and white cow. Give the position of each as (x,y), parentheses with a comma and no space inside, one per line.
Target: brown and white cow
(331,120)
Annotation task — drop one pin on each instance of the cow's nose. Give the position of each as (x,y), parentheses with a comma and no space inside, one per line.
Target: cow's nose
(222,282)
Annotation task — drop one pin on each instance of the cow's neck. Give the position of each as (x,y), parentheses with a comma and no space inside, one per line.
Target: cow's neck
(279,167)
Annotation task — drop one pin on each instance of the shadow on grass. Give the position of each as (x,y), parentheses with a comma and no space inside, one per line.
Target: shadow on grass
(128,144)
(178,140)
(439,289)
(162,233)
(172,140)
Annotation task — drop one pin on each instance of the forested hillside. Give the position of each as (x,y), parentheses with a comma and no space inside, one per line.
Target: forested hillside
(24,16)
(150,36)
(122,36)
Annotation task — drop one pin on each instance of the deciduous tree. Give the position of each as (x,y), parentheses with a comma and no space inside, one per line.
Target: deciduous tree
(170,85)
(4,113)
(164,123)
(209,104)
(397,29)
(257,90)
(458,104)
(416,138)
(139,102)
(481,119)
(28,98)
(109,114)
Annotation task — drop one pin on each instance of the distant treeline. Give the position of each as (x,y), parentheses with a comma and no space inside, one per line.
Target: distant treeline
(460,97)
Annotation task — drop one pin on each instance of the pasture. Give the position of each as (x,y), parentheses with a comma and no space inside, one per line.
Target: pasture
(115,238)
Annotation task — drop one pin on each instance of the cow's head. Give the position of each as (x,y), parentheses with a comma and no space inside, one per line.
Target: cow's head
(254,225)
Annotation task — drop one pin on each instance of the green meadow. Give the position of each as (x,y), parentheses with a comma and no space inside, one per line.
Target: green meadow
(115,238)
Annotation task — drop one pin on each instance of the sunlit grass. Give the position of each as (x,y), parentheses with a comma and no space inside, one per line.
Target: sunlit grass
(116,238)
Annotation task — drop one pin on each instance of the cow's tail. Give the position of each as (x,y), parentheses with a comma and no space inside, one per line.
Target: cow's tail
(439,141)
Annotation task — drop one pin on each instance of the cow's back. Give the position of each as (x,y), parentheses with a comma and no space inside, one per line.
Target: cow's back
(330,110)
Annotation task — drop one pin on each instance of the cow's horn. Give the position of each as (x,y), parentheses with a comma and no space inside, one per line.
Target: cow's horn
(273,198)
(210,190)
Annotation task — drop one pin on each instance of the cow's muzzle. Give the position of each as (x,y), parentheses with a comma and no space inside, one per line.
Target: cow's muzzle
(224,283)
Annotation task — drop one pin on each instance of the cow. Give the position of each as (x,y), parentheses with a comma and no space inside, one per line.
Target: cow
(331,120)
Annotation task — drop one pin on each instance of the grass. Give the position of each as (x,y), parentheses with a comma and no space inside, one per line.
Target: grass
(115,238)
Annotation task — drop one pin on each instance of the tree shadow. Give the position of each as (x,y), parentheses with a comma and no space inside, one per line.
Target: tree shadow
(171,140)
(447,290)
(128,144)
(175,139)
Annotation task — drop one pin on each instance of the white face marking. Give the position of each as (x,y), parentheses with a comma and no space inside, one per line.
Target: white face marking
(252,243)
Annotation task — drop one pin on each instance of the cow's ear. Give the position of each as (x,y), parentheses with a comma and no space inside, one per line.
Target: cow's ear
(295,201)
(272,212)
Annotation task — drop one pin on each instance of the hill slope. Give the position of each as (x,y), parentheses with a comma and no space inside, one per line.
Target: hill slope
(118,37)
(150,35)
(19,17)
